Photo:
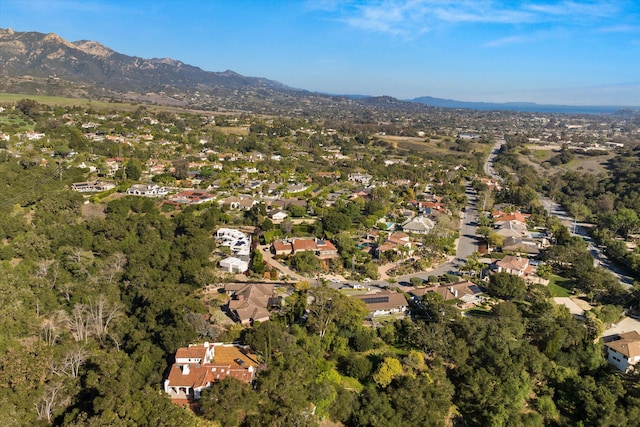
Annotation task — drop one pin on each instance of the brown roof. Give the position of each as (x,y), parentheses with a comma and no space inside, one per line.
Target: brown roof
(282,246)
(399,237)
(449,292)
(325,246)
(504,216)
(384,300)
(251,302)
(513,263)
(229,360)
(628,344)
(195,352)
(300,245)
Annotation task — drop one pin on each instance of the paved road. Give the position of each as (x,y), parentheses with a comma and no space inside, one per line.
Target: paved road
(556,210)
(599,258)
(488,165)
(468,242)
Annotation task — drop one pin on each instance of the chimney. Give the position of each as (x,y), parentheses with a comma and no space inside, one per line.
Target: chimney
(185,369)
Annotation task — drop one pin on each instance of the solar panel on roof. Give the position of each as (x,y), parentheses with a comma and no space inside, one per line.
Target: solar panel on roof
(375,300)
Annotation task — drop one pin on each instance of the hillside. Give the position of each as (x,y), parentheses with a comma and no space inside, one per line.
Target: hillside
(46,64)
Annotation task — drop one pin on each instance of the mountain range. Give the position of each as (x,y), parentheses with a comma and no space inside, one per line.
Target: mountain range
(47,64)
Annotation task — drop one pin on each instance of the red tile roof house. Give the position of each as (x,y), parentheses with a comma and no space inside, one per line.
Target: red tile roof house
(200,365)
(303,245)
(501,216)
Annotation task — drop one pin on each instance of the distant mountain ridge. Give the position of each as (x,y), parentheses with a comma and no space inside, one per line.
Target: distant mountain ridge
(530,107)
(47,64)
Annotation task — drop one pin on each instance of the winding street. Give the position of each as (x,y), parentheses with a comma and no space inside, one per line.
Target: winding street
(554,209)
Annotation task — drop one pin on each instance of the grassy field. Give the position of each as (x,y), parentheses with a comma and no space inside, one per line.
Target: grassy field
(58,100)
(559,286)
(14,121)
(95,104)
(419,144)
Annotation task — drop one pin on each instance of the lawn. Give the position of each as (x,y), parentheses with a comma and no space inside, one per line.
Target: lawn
(559,286)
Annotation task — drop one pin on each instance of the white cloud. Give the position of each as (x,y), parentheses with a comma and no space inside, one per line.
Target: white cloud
(621,28)
(406,17)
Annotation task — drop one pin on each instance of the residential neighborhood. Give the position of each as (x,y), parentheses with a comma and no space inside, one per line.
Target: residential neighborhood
(249,255)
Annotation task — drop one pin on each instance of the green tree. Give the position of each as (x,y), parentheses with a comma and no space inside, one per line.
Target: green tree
(506,286)
(335,222)
(228,402)
(133,170)
(305,262)
(389,369)
(258,265)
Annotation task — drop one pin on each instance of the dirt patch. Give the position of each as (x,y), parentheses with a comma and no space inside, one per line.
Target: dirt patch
(91,210)
(583,164)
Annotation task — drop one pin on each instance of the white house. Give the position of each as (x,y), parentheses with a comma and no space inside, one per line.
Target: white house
(234,265)
(418,225)
(624,352)
(278,215)
(236,240)
(200,365)
(147,190)
(384,303)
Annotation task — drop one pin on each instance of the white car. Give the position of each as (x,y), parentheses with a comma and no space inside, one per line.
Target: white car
(335,281)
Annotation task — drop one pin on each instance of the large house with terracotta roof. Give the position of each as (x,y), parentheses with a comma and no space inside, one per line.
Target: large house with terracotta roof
(324,249)
(200,365)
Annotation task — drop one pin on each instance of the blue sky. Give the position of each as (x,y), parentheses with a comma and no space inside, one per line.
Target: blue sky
(556,52)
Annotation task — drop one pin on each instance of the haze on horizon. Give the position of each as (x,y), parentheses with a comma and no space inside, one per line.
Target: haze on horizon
(548,52)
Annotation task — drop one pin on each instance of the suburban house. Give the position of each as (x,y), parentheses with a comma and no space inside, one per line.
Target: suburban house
(250,302)
(234,265)
(113,164)
(192,197)
(384,303)
(623,351)
(394,242)
(322,248)
(235,202)
(238,242)
(146,190)
(501,216)
(277,215)
(512,228)
(200,365)
(521,244)
(361,178)
(92,186)
(418,225)
(515,265)
(468,293)
(281,248)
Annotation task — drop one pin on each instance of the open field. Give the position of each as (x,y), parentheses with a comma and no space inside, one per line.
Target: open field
(538,155)
(442,146)
(233,130)
(92,103)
